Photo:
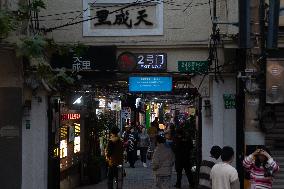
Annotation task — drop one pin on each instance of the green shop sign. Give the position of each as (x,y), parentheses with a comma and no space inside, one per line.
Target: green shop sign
(193,66)
(229,101)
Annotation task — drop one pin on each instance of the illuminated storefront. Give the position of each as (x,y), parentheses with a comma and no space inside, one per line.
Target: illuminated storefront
(69,140)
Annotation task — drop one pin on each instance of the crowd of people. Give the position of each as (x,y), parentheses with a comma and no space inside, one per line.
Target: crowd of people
(173,147)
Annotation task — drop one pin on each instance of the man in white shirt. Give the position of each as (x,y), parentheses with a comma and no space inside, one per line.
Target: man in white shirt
(223,175)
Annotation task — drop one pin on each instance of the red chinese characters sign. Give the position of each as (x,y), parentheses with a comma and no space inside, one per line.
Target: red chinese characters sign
(70,116)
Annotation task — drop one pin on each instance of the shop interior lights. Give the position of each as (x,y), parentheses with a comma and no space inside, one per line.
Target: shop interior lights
(78,100)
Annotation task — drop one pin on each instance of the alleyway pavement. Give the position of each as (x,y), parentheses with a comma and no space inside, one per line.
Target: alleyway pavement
(138,178)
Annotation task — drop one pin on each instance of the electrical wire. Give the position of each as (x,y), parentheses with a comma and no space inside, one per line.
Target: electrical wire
(84,20)
(81,13)
(125,7)
(109,6)
(117,5)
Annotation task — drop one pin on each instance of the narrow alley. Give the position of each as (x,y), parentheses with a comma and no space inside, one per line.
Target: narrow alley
(138,178)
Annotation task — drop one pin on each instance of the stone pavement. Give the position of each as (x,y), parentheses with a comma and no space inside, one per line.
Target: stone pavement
(138,178)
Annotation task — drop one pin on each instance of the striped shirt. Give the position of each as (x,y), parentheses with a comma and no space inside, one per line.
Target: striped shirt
(204,174)
(257,178)
(131,142)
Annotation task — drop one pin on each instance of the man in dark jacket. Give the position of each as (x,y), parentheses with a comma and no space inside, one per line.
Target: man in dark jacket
(114,155)
(182,148)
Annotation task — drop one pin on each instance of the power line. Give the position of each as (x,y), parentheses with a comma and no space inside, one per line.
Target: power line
(169,2)
(71,18)
(82,12)
(120,9)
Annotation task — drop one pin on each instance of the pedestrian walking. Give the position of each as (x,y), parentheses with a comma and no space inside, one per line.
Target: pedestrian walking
(162,164)
(206,166)
(152,132)
(261,168)
(223,175)
(155,123)
(114,155)
(169,135)
(143,144)
(125,135)
(131,148)
(182,148)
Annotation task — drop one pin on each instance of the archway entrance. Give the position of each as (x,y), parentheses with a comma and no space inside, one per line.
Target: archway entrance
(86,114)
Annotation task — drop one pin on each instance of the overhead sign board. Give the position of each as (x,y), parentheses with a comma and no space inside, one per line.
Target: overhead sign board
(150,84)
(94,58)
(142,62)
(122,18)
(193,66)
(151,61)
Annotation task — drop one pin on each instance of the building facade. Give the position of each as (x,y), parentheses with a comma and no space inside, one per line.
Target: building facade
(178,29)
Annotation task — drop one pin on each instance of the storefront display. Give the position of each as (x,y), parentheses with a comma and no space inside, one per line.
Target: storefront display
(69,140)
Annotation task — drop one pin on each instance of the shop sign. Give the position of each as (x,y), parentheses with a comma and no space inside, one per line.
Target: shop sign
(100,58)
(70,116)
(150,84)
(193,66)
(142,61)
(229,101)
(151,61)
(122,18)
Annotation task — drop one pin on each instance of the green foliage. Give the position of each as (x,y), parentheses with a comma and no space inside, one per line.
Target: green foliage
(33,47)
(25,11)
(6,23)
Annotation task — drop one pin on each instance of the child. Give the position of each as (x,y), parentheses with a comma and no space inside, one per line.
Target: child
(261,167)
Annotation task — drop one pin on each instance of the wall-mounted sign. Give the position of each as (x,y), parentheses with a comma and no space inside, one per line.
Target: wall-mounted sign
(150,84)
(151,61)
(281,12)
(193,66)
(94,58)
(142,62)
(274,81)
(111,19)
(102,103)
(126,62)
(70,116)
(229,101)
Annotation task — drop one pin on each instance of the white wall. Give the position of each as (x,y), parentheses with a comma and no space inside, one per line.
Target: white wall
(35,146)
(220,129)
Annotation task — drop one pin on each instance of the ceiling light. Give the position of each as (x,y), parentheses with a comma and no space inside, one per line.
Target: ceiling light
(78,100)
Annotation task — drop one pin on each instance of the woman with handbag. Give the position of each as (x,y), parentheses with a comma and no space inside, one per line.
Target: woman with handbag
(261,167)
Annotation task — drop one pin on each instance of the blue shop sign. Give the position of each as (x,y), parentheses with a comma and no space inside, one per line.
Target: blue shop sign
(150,84)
